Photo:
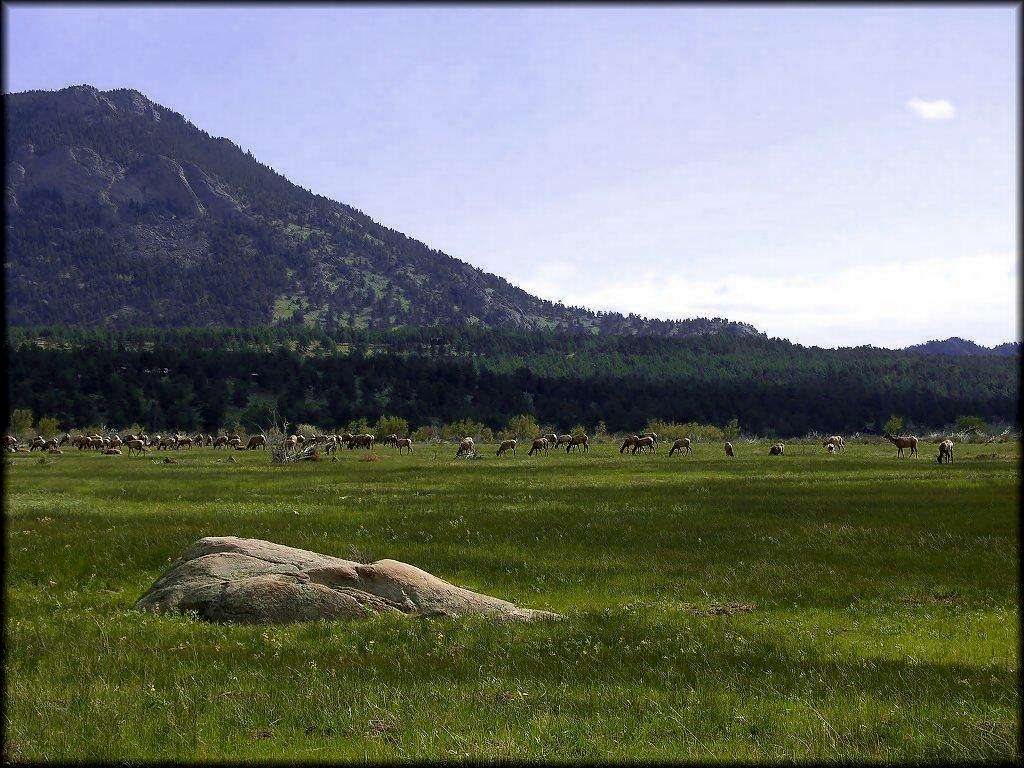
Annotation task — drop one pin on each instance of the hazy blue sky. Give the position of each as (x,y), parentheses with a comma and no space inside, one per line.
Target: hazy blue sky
(832,175)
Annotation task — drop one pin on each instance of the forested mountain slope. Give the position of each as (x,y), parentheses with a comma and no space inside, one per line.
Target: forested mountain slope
(121,213)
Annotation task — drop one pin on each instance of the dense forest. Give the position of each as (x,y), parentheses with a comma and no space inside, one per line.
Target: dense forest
(210,378)
(120,212)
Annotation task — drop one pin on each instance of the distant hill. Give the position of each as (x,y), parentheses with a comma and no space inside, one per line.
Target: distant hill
(120,213)
(957,346)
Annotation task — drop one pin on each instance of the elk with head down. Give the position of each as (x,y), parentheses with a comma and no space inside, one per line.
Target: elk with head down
(777,450)
(507,445)
(901,443)
(945,452)
(256,441)
(466,447)
(37,442)
(539,444)
(578,442)
(221,441)
(390,440)
(11,443)
(628,443)
(562,440)
(362,441)
(552,439)
(836,441)
(651,435)
(644,444)
(682,445)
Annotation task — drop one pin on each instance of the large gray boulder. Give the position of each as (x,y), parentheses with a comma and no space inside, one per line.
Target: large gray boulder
(228,579)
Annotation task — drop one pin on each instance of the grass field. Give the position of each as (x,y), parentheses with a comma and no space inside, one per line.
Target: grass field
(880,599)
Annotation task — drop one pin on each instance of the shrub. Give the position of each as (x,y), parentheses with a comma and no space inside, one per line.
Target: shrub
(894,425)
(390,425)
(522,427)
(48,427)
(425,434)
(467,428)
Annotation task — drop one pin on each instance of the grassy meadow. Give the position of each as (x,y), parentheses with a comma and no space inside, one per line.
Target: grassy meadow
(803,607)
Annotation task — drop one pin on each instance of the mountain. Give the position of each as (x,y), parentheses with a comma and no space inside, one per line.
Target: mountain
(956,346)
(120,212)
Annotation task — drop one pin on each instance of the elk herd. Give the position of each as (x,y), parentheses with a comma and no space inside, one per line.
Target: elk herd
(646,442)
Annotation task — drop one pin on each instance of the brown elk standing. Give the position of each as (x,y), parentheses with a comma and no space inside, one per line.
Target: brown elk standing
(563,440)
(362,441)
(901,443)
(836,440)
(404,442)
(540,444)
(728,449)
(644,444)
(506,445)
(581,441)
(552,439)
(683,445)
(220,442)
(136,445)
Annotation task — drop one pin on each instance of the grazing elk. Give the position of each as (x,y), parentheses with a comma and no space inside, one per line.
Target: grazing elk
(466,447)
(220,442)
(945,452)
(651,435)
(256,441)
(540,444)
(682,445)
(643,444)
(578,442)
(628,443)
(777,450)
(901,443)
(390,440)
(552,439)
(362,441)
(836,441)
(562,440)
(831,448)
(506,445)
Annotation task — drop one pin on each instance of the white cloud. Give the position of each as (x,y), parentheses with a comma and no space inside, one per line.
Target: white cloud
(940,109)
(888,304)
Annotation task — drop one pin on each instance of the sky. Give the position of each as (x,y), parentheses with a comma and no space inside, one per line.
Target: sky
(833,175)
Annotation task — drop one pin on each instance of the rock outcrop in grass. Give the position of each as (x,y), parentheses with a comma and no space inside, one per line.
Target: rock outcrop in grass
(229,579)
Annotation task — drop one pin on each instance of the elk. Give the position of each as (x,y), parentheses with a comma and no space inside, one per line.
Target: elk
(466,447)
(390,440)
(629,442)
(644,443)
(836,441)
(10,442)
(404,442)
(112,451)
(563,440)
(220,442)
(831,448)
(552,439)
(580,441)
(682,445)
(362,441)
(651,435)
(236,442)
(256,441)
(136,445)
(945,452)
(37,442)
(728,449)
(507,445)
(901,443)
(777,450)
(540,444)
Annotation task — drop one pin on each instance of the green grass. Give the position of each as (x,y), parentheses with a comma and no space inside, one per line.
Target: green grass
(885,622)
